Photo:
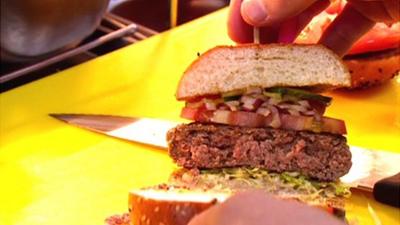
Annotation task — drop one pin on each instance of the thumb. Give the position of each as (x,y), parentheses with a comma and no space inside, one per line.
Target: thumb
(271,12)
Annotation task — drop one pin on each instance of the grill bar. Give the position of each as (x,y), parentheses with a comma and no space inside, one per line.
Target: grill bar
(112,28)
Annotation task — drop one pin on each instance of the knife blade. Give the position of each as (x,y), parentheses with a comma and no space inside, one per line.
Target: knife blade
(369,166)
(142,130)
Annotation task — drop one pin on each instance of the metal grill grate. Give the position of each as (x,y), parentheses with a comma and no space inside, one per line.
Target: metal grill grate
(114,32)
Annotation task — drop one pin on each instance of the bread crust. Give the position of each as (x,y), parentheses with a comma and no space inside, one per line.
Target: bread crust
(183,86)
(150,211)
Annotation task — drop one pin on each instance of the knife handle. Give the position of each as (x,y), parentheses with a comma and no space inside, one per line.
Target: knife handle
(387,190)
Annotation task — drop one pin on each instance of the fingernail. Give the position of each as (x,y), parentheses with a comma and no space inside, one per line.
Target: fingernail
(254,11)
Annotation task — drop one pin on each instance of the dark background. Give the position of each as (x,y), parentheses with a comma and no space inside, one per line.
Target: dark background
(156,13)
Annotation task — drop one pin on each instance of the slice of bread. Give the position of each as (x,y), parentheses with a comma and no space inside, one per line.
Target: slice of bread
(169,205)
(177,205)
(229,68)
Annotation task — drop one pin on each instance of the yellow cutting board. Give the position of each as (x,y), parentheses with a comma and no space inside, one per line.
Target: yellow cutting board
(52,173)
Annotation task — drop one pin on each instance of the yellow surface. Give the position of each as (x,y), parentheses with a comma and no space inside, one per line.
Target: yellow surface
(52,173)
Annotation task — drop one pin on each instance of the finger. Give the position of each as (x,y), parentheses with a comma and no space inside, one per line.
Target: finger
(238,30)
(346,29)
(269,35)
(269,13)
(379,11)
(393,8)
(291,29)
(335,7)
(241,32)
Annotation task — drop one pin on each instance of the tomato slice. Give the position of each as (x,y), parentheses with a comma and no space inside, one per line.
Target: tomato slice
(197,114)
(199,98)
(189,113)
(332,125)
(297,122)
(247,119)
(380,37)
(252,119)
(329,125)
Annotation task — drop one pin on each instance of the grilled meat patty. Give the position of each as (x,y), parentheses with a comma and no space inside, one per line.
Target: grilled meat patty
(321,156)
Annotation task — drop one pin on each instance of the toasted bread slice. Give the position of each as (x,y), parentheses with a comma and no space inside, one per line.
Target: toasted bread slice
(176,205)
(169,205)
(229,68)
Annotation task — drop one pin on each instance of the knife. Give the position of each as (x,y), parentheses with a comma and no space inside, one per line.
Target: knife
(372,170)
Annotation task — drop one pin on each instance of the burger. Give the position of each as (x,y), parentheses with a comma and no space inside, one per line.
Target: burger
(257,122)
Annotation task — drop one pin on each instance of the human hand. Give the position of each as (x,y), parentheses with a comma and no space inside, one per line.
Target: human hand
(281,20)
(257,208)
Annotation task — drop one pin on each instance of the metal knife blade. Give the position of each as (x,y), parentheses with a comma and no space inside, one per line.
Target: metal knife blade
(142,130)
(369,166)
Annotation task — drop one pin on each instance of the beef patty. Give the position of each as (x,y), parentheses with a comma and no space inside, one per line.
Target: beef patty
(321,156)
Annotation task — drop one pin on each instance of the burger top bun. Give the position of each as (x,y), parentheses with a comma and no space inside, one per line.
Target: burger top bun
(229,68)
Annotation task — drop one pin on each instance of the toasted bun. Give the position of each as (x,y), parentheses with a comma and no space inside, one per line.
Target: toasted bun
(373,68)
(228,68)
(177,205)
(172,206)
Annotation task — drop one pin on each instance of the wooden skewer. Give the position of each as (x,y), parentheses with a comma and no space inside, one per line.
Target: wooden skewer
(173,13)
(256,35)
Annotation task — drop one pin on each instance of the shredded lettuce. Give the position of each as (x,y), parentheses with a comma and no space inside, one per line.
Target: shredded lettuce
(286,184)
